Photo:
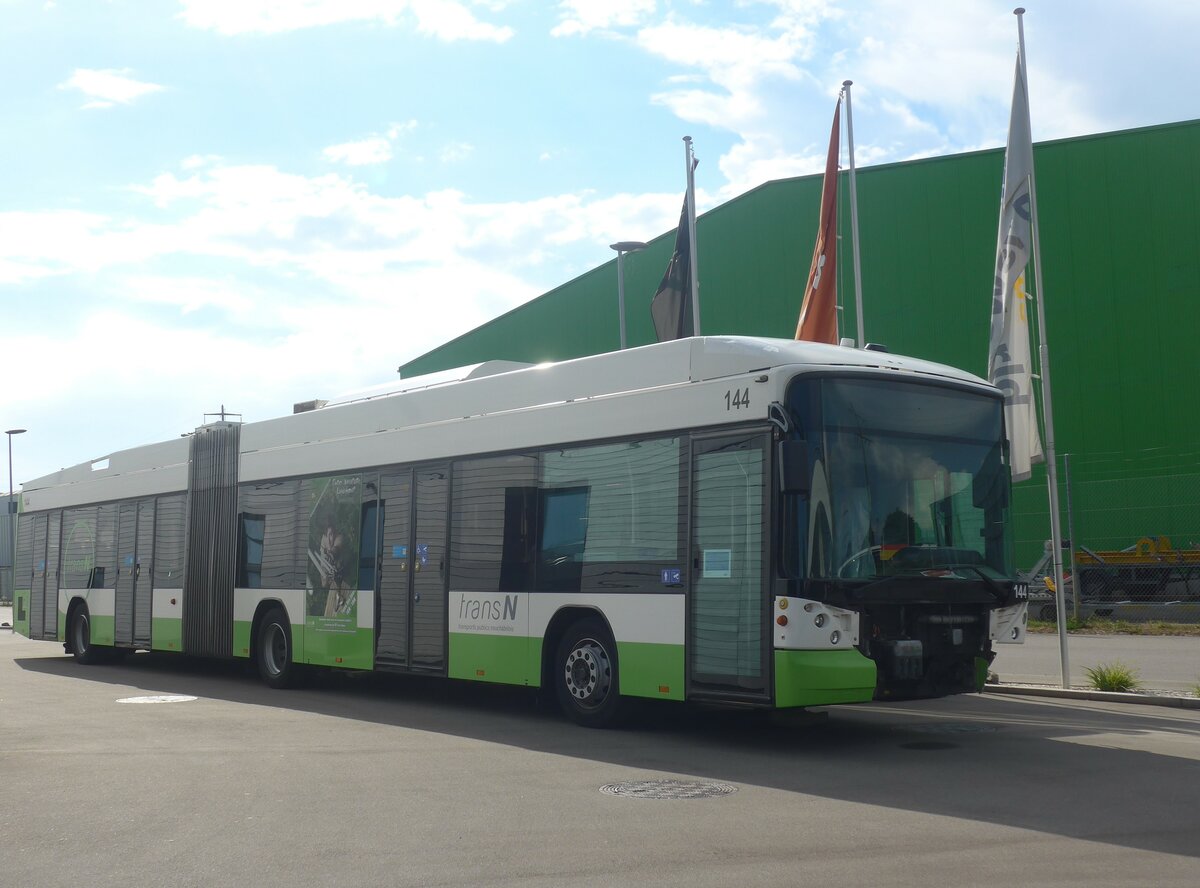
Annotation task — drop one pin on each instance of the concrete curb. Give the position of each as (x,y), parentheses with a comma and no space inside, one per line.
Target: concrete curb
(1100,696)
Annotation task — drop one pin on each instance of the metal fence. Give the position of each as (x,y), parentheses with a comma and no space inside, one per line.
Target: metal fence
(1132,528)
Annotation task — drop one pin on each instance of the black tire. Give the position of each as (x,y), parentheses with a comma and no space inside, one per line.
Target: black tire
(274,650)
(1048,613)
(586,677)
(79,638)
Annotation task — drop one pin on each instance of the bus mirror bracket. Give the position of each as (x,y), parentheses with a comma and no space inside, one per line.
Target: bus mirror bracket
(793,466)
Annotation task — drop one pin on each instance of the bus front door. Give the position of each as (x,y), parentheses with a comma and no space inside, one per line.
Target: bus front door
(728,641)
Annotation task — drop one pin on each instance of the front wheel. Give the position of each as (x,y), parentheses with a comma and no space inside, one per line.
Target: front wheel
(274,650)
(586,676)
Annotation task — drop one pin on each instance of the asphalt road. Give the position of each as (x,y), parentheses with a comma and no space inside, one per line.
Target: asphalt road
(377,781)
(1162,662)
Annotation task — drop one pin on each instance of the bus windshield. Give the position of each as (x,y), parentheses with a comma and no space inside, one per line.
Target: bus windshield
(907,478)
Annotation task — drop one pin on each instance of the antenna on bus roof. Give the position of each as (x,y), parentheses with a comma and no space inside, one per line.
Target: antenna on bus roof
(223,414)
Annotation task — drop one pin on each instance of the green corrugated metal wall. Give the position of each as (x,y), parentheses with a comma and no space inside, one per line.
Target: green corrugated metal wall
(1120,238)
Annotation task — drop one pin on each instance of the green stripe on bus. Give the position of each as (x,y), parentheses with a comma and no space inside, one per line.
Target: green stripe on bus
(504,659)
(646,670)
(21,612)
(817,678)
(102,630)
(981,672)
(651,670)
(166,634)
(353,649)
(241,638)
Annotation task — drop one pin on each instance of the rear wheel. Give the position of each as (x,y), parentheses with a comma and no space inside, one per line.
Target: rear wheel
(79,634)
(586,675)
(274,650)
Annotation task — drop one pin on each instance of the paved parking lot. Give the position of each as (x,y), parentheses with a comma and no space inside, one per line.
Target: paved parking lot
(377,781)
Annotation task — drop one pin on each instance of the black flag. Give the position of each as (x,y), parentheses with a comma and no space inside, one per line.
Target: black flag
(671,307)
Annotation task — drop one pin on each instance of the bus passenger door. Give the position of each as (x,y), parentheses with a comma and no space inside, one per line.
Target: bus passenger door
(429,568)
(412,574)
(395,569)
(38,621)
(728,634)
(143,572)
(50,593)
(126,571)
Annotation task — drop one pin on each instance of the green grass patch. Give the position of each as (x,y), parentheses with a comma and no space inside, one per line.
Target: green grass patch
(1103,626)
(1115,676)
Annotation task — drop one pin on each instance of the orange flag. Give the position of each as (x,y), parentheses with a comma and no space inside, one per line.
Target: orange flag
(818,313)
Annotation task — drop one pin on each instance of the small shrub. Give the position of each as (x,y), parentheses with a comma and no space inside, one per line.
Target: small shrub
(1115,676)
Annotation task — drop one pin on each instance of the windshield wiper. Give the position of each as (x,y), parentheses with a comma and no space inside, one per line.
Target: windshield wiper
(993,587)
(882,581)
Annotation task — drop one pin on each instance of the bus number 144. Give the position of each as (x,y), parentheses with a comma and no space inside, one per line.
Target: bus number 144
(736,399)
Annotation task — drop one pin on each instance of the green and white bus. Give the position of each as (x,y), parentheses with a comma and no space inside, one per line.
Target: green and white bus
(722,519)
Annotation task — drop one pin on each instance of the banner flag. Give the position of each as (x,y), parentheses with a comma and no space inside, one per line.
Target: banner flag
(1009,360)
(818,312)
(671,307)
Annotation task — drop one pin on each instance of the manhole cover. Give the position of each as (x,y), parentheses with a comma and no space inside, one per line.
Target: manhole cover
(158,698)
(668,789)
(954,728)
(927,745)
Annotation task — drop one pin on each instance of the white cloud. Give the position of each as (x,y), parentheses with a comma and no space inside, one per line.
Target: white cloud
(762,157)
(445,19)
(317,284)
(361,153)
(329,231)
(582,16)
(738,65)
(195,161)
(374,149)
(108,87)
(908,119)
(455,152)
(396,130)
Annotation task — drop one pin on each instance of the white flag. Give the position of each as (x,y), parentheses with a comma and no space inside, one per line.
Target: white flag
(1009,365)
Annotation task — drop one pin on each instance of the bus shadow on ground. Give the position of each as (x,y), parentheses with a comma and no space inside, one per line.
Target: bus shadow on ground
(1072,770)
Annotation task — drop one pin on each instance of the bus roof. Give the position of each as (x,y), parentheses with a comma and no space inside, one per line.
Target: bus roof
(481,390)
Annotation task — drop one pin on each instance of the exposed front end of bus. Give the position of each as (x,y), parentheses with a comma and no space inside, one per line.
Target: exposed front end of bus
(896,548)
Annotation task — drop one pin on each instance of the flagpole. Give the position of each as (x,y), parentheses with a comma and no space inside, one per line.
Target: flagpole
(695,264)
(1047,407)
(858,300)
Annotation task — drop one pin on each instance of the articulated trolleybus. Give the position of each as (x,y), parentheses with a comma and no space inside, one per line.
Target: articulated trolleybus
(727,519)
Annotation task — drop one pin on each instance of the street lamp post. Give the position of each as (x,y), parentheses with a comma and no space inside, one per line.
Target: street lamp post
(12,518)
(622,248)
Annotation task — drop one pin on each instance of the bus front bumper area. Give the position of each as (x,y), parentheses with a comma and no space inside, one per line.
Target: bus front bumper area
(820,678)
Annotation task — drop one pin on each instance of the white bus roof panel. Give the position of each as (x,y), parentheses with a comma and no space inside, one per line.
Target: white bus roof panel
(491,388)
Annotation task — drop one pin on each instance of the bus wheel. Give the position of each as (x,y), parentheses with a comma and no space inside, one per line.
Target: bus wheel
(585,675)
(274,650)
(79,631)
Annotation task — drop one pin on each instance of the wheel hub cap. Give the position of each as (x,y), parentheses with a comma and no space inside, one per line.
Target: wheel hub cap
(588,673)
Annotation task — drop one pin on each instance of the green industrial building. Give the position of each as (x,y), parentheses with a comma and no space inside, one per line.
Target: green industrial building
(1120,241)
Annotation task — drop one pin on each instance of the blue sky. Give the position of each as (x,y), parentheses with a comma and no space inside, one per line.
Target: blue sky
(258,202)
